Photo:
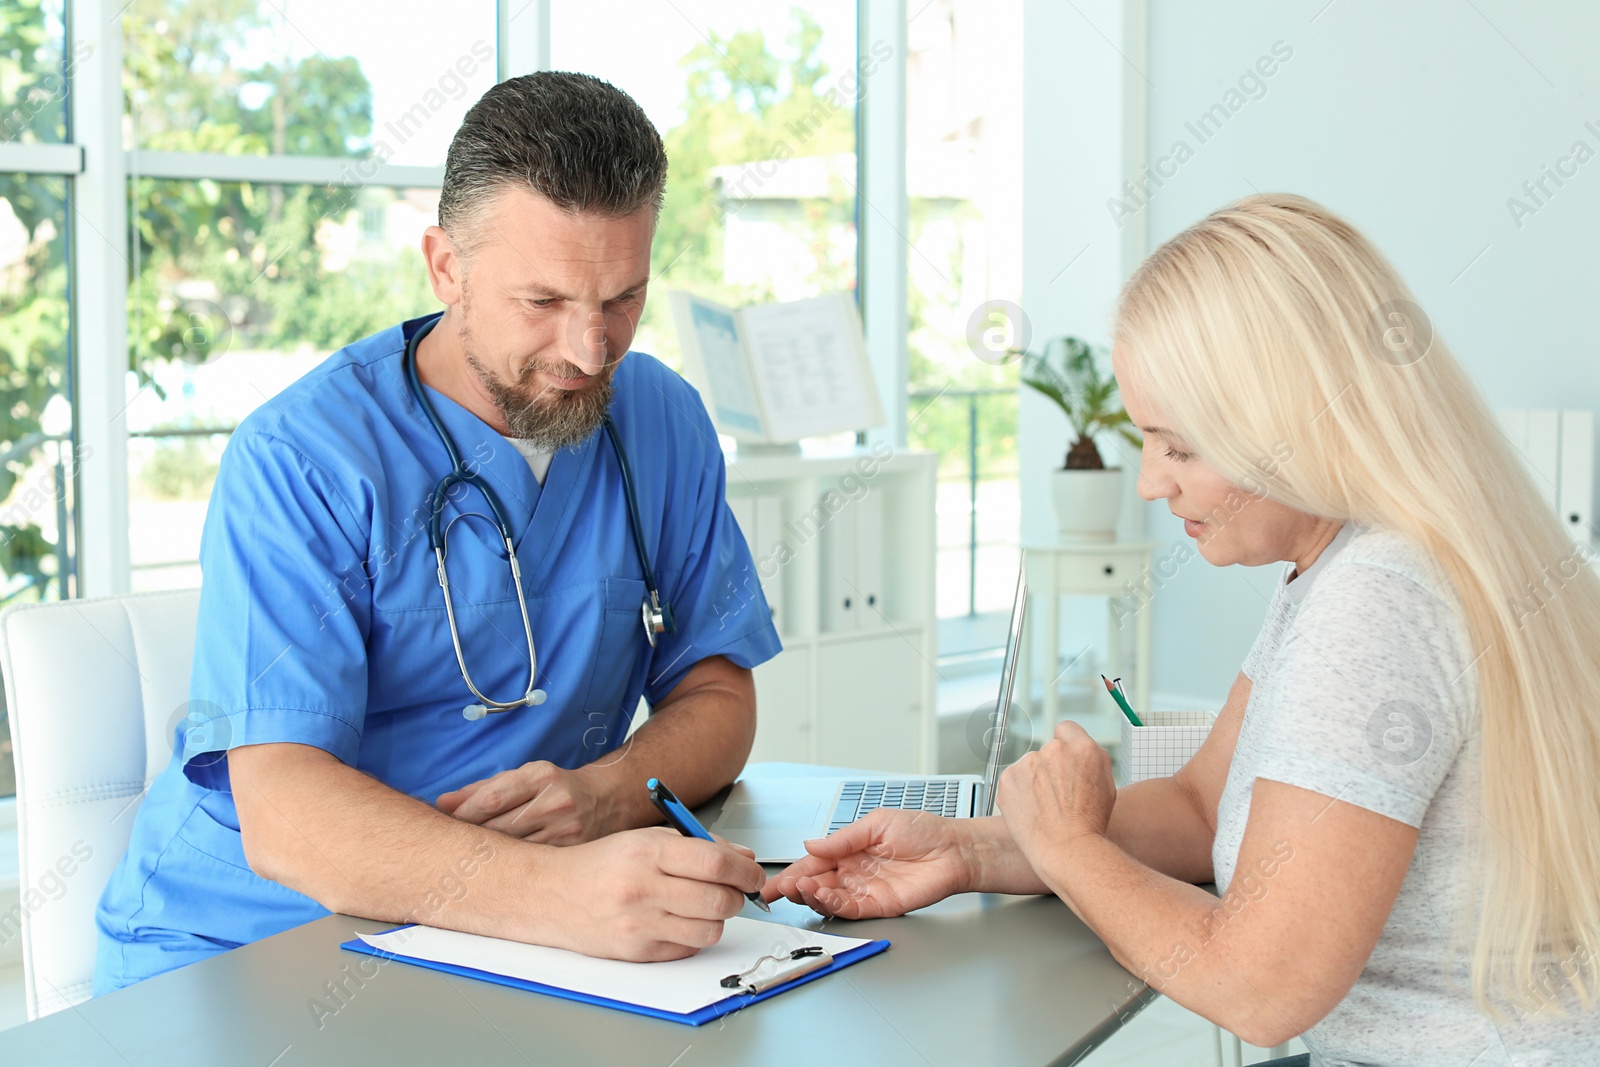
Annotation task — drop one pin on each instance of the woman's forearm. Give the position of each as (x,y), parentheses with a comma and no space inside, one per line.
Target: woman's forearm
(1158,823)
(1155,822)
(1178,938)
(996,863)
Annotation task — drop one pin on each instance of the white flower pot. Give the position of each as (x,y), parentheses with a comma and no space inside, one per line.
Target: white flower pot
(1087,503)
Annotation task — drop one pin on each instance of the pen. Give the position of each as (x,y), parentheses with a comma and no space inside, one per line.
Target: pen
(682,820)
(1122,701)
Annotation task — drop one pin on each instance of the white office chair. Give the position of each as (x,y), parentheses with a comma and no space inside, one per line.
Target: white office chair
(94,689)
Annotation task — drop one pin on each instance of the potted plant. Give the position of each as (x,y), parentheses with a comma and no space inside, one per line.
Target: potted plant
(1087,493)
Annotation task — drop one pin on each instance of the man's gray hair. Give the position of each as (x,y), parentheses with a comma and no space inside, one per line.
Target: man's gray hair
(579,142)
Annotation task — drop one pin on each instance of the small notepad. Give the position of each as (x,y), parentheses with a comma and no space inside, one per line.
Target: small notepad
(687,990)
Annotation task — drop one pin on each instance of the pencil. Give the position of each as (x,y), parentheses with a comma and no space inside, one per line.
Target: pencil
(1122,701)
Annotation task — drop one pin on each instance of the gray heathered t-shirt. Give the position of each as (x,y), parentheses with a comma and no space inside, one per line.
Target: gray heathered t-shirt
(1363,690)
(538,460)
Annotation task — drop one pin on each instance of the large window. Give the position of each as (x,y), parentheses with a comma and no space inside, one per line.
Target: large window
(33,72)
(306,77)
(37,459)
(963,276)
(38,454)
(260,199)
(240,287)
(756,106)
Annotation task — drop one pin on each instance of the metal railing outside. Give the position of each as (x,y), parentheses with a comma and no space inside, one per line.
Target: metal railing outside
(982,464)
(965,460)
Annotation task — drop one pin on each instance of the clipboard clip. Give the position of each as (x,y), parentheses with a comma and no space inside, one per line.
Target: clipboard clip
(801,961)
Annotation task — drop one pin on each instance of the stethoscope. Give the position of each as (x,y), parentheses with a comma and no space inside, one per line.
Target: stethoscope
(657,616)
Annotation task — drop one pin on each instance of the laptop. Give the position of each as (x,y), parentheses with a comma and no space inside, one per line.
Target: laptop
(775,816)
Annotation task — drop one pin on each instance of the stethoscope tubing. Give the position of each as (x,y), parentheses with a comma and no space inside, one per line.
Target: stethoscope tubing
(657,616)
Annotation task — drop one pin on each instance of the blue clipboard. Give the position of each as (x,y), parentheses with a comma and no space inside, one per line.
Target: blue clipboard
(726,1006)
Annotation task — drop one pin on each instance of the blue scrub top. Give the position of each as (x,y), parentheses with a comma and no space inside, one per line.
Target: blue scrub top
(322,622)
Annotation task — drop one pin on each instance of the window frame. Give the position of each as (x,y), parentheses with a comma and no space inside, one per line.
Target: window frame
(100,170)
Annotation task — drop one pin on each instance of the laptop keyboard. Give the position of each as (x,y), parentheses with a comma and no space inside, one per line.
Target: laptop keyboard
(909,794)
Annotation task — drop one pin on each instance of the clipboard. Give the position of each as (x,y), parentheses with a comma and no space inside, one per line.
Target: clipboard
(699,1017)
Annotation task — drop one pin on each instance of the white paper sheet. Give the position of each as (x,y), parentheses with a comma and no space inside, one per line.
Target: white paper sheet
(681,986)
(714,357)
(812,368)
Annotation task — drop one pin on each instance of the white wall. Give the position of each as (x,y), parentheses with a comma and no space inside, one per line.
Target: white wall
(1417,121)
(1079,98)
(1074,257)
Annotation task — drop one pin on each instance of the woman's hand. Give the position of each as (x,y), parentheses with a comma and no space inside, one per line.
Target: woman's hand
(888,863)
(1060,793)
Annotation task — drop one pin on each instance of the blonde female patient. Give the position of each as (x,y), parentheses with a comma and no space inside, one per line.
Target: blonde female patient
(1398,802)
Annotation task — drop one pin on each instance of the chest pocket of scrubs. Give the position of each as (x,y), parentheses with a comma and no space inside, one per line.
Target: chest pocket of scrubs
(410,646)
(614,682)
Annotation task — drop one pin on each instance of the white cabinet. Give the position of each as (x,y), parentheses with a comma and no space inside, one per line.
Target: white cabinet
(1120,570)
(870,701)
(783,707)
(843,543)
(1557,447)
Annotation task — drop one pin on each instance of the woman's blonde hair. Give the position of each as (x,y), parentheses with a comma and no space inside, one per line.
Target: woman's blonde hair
(1273,323)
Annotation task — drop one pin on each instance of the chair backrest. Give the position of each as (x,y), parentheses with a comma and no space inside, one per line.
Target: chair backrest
(95,689)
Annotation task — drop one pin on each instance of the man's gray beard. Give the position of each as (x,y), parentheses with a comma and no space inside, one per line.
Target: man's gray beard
(552,420)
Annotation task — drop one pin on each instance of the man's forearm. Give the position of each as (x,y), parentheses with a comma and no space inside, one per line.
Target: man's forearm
(697,742)
(356,846)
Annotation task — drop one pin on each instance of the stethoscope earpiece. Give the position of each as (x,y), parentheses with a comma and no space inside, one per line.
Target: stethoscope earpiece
(474,712)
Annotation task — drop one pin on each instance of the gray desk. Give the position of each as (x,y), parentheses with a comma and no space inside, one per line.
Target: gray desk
(973,979)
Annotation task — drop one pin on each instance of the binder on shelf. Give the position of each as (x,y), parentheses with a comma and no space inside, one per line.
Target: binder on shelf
(841,598)
(768,533)
(1557,448)
(1544,450)
(760,519)
(872,611)
(689,991)
(1575,490)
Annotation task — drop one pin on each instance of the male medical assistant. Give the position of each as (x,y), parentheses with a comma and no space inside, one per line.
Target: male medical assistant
(321,620)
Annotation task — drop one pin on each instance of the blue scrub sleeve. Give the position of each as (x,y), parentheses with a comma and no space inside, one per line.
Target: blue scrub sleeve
(717,602)
(285,610)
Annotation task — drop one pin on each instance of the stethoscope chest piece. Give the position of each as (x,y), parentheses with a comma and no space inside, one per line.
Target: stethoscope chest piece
(657,617)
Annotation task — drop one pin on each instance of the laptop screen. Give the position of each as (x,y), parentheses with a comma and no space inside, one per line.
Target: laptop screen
(1008,679)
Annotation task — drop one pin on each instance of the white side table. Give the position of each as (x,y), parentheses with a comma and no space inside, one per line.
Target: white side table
(1088,568)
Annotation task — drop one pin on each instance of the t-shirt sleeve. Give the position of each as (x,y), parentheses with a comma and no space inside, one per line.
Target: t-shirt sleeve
(1370,693)
(280,650)
(717,603)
